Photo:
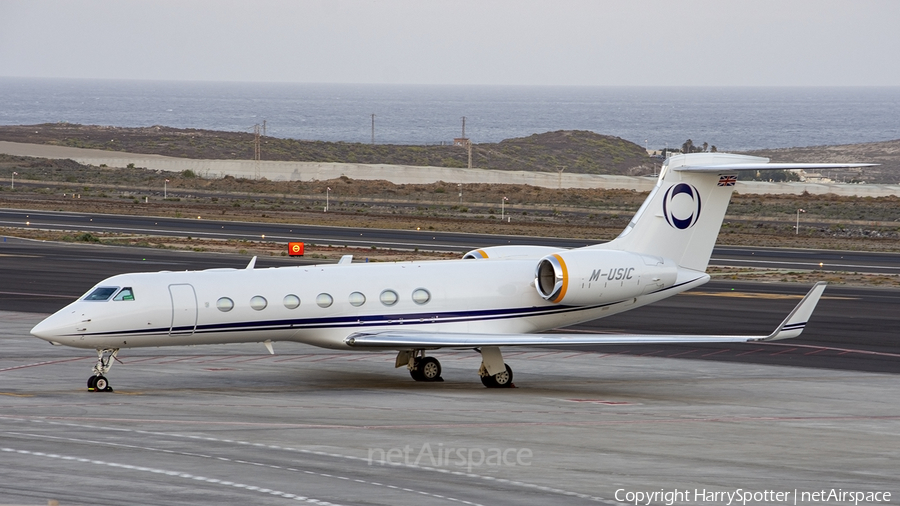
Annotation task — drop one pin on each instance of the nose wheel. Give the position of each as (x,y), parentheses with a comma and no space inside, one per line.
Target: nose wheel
(98,382)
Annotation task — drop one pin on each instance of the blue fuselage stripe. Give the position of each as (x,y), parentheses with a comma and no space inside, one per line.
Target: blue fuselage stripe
(357,321)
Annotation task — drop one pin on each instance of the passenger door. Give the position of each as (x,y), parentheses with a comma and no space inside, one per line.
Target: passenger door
(184,309)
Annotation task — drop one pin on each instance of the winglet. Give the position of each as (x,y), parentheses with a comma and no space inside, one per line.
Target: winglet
(252,264)
(795,322)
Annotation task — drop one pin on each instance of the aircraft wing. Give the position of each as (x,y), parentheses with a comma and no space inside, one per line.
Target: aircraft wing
(791,327)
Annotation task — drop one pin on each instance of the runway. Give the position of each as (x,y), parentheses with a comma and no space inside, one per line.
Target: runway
(774,258)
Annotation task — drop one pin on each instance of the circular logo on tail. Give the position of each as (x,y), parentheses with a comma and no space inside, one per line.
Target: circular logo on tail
(681,206)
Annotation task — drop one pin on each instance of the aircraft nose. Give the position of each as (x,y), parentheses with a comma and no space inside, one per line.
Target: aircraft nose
(45,330)
(54,328)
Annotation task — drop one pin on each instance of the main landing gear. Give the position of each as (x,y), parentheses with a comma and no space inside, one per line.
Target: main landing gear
(98,382)
(494,372)
(502,379)
(422,368)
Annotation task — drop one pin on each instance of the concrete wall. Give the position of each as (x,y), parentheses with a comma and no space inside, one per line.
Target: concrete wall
(404,174)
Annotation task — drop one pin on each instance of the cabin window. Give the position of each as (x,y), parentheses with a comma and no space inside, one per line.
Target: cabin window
(357,299)
(258,302)
(389,297)
(225,304)
(125,294)
(324,300)
(421,296)
(291,301)
(101,294)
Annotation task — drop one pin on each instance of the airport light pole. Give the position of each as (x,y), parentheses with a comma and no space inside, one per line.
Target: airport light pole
(502,207)
(13,185)
(166,189)
(327,192)
(797,228)
(459,187)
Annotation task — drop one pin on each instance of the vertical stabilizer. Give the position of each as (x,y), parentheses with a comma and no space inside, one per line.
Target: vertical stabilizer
(683,214)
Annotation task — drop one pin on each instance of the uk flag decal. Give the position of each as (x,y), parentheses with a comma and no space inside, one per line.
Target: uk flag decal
(727,180)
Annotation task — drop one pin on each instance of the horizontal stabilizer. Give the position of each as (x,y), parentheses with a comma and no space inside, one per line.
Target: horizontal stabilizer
(792,326)
(769,166)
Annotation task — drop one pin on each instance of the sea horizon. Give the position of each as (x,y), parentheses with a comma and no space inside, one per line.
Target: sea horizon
(734,118)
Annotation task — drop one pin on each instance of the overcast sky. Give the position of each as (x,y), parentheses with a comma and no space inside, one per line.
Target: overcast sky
(559,42)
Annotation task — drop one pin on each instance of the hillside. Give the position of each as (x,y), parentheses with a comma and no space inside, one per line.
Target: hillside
(886,153)
(577,151)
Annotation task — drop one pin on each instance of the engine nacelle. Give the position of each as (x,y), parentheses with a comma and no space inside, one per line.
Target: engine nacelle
(593,276)
(512,252)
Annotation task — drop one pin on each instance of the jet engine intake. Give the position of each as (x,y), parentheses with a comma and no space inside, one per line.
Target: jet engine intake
(594,276)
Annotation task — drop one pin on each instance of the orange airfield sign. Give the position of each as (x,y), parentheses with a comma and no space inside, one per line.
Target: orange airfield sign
(295,249)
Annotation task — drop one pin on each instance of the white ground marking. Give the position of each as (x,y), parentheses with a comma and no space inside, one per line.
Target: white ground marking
(340,456)
(177,474)
(223,459)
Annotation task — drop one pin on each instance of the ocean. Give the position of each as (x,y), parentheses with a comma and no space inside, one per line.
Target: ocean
(732,119)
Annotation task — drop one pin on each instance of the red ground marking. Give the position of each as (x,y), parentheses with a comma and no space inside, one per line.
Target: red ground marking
(141,359)
(532,357)
(220,358)
(42,363)
(715,353)
(365,357)
(748,352)
(783,351)
(814,352)
(846,350)
(252,359)
(326,357)
(736,419)
(296,357)
(576,354)
(599,401)
(650,353)
(182,359)
(683,353)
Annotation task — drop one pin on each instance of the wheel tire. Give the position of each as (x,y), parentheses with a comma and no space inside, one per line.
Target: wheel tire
(429,369)
(504,379)
(416,373)
(92,383)
(499,380)
(101,384)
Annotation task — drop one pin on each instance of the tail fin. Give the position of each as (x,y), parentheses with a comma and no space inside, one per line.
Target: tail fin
(683,214)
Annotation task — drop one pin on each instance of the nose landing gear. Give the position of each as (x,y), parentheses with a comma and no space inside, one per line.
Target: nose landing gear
(98,382)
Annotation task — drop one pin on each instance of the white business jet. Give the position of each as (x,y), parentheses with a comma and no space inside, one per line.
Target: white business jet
(491,298)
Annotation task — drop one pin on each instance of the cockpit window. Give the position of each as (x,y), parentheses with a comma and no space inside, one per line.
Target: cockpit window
(125,294)
(102,293)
